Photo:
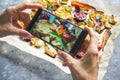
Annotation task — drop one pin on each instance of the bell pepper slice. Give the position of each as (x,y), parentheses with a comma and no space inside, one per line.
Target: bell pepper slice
(80,4)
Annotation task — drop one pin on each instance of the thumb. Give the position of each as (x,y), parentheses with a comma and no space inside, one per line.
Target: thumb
(21,32)
(66,58)
(93,46)
(93,36)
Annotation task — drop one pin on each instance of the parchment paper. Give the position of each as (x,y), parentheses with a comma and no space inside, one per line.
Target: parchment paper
(109,7)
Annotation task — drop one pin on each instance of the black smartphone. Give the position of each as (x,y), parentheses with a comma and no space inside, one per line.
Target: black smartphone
(56,31)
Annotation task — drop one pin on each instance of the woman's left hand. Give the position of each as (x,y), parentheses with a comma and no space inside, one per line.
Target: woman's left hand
(10,17)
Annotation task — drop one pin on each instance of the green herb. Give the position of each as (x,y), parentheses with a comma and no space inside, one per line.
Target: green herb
(85,23)
(58,38)
(32,15)
(60,1)
(50,6)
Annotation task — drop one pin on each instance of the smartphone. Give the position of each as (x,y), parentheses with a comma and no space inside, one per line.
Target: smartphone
(56,31)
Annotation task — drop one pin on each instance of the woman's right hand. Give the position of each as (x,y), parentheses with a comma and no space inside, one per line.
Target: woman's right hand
(87,67)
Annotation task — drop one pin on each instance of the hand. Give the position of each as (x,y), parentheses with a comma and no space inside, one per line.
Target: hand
(85,68)
(9,20)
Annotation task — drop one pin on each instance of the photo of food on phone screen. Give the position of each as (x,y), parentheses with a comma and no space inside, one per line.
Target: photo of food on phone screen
(56,31)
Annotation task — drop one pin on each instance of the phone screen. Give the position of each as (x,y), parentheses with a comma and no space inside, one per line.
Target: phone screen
(55,31)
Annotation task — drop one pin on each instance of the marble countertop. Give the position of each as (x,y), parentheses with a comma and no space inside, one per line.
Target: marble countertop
(16,64)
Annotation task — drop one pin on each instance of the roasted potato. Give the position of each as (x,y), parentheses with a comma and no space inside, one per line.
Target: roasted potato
(36,42)
(49,50)
(111,20)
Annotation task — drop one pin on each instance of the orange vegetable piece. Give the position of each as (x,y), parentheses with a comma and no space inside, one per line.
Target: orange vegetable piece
(61,30)
(83,5)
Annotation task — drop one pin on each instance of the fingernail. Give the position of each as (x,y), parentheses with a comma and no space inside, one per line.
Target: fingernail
(27,38)
(60,56)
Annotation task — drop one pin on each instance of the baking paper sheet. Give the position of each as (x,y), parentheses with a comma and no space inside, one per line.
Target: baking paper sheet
(109,7)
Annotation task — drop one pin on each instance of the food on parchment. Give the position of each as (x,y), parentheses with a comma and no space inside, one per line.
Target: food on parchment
(106,36)
(49,50)
(81,14)
(36,42)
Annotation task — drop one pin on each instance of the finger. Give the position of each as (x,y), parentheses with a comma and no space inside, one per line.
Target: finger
(91,57)
(84,46)
(14,9)
(66,57)
(64,64)
(93,39)
(23,33)
(80,54)
(20,32)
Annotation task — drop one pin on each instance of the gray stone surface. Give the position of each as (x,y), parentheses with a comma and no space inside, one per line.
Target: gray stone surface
(18,65)
(113,71)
